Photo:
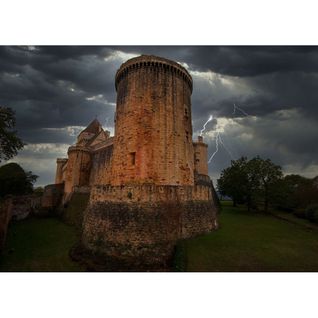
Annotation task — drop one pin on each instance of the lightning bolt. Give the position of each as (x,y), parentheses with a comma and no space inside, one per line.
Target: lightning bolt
(203,129)
(218,140)
(239,109)
(216,147)
(227,150)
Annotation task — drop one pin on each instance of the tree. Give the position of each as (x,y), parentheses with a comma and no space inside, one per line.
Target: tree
(233,181)
(14,180)
(264,177)
(251,182)
(298,192)
(10,143)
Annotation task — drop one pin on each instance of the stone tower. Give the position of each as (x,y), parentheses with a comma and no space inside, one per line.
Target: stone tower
(79,159)
(157,189)
(153,130)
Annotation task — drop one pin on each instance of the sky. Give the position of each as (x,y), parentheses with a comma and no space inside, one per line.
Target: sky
(56,91)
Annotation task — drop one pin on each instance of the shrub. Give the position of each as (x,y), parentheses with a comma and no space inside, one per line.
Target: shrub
(312,213)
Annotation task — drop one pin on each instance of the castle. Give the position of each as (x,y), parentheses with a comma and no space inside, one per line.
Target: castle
(149,183)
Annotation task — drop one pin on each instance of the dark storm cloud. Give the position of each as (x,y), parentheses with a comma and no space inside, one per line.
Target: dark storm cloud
(55,86)
(55,91)
(284,77)
(254,61)
(238,60)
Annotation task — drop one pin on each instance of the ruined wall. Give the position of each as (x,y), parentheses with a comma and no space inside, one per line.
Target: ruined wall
(52,195)
(153,130)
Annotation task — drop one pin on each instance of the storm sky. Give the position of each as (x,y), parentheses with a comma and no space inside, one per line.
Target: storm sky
(57,91)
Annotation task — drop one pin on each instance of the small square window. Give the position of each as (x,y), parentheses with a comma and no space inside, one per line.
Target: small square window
(133,158)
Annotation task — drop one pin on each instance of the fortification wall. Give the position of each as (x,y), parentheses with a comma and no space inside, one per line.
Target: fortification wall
(141,223)
(52,195)
(144,233)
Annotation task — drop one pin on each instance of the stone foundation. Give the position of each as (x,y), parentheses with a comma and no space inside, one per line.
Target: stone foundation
(139,232)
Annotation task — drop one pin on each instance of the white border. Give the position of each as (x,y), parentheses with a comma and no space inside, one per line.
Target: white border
(151,23)
(74,22)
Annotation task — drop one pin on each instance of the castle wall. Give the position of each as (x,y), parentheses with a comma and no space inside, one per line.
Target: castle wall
(153,131)
(101,166)
(78,168)
(146,228)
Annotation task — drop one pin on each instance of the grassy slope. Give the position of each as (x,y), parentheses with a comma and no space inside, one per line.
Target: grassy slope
(39,245)
(251,242)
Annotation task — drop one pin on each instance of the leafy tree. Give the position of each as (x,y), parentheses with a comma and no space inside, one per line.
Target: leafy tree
(298,192)
(9,142)
(233,181)
(263,179)
(252,182)
(14,180)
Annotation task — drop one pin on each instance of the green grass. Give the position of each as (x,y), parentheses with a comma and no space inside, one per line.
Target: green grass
(244,242)
(251,242)
(39,245)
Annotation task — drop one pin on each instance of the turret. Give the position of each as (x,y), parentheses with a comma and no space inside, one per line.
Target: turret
(79,158)
(60,163)
(200,156)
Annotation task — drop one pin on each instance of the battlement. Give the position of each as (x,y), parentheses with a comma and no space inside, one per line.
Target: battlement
(153,62)
(151,193)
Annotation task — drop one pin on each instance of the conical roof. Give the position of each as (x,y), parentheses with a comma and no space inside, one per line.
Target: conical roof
(94,127)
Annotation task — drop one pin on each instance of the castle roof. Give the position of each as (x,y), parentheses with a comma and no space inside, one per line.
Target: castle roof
(94,127)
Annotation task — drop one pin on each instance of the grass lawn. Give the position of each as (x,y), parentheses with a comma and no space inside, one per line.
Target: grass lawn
(251,242)
(244,242)
(39,245)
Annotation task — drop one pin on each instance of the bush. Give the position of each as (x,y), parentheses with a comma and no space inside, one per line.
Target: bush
(312,213)
(14,180)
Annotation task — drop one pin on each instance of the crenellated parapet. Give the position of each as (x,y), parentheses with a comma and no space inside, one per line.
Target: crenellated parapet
(153,63)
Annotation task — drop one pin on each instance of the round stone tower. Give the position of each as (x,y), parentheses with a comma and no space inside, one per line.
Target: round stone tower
(79,162)
(153,129)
